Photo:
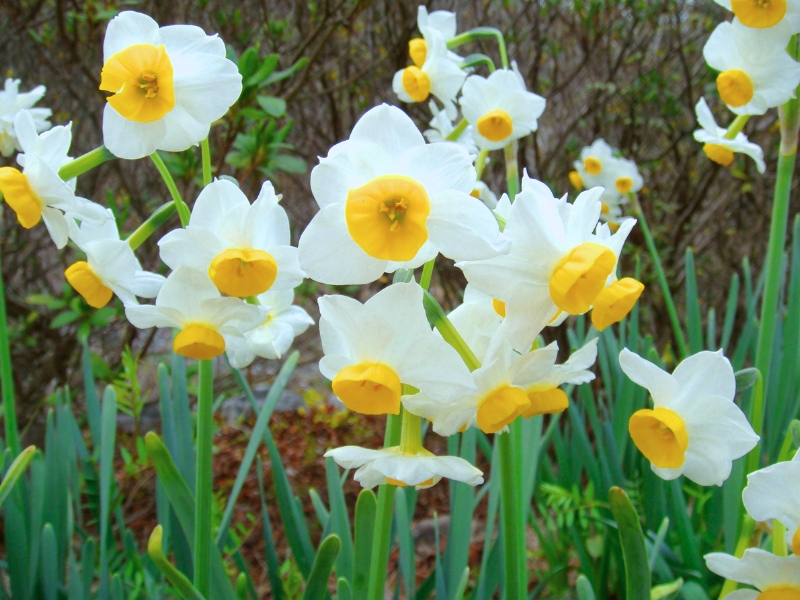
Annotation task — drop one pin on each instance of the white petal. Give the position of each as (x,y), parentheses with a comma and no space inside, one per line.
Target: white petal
(56,226)
(145,317)
(704,374)
(206,85)
(388,127)
(216,199)
(129,28)
(440,167)
(182,130)
(661,385)
(463,228)
(193,246)
(129,139)
(773,492)
(189,39)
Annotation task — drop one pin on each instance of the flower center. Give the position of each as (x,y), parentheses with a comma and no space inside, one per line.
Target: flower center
(369,389)
(546,401)
(140,79)
(660,434)
(580,276)
(592,166)
(719,154)
(615,301)
(418,51)
(624,184)
(20,197)
(735,88)
(576,180)
(243,273)
(199,341)
(499,307)
(759,13)
(782,592)
(416,83)
(495,125)
(386,217)
(86,282)
(424,484)
(796,542)
(604,208)
(500,407)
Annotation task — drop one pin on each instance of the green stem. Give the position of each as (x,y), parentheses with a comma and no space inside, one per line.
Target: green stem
(748,527)
(410,433)
(84,163)
(427,273)
(383,521)
(482,33)
(7,378)
(512,169)
(662,280)
(183,210)
(153,222)
(203,488)
(473,60)
(480,163)
(757,421)
(513,549)
(457,131)
(205,151)
(438,319)
(736,127)
(779,539)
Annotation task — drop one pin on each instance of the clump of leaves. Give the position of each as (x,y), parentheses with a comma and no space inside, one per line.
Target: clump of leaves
(130,399)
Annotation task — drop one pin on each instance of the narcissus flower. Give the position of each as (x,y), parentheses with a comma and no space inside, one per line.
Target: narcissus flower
(167,85)
(388,200)
(283,322)
(594,159)
(556,263)
(772,493)
(619,296)
(390,465)
(110,266)
(756,72)
(37,193)
(432,73)
(694,429)
(372,349)
(500,108)
(442,126)
(11,102)
(774,577)
(763,14)
(598,166)
(717,147)
(243,247)
(209,324)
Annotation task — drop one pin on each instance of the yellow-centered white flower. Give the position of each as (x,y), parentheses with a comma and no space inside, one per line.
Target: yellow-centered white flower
(500,108)
(774,493)
(372,349)
(598,166)
(11,102)
(209,324)
(421,469)
(244,248)
(717,147)
(110,267)
(765,14)
(593,161)
(620,295)
(756,71)
(167,85)
(388,200)
(774,577)
(694,428)
(37,193)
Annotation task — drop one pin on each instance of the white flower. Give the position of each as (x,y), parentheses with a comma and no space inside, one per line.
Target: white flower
(500,108)
(774,493)
(435,74)
(168,85)
(594,159)
(717,147)
(442,126)
(38,193)
(442,21)
(282,323)
(477,319)
(756,71)
(11,102)
(764,15)
(391,465)
(371,349)
(695,428)
(209,324)
(556,263)
(390,201)
(110,266)
(243,247)
(484,194)
(776,577)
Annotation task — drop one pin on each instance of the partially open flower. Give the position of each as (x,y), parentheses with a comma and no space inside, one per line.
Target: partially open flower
(774,577)
(717,147)
(11,103)
(763,14)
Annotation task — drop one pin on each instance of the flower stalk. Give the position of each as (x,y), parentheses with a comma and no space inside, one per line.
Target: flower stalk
(180,205)
(153,222)
(205,152)
(85,163)
(512,169)
(203,487)
(479,33)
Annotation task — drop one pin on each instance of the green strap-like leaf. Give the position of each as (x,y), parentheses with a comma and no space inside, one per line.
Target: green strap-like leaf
(364,524)
(176,578)
(317,584)
(14,472)
(634,552)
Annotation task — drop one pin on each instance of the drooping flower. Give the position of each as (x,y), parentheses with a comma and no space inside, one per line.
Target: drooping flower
(442,126)
(500,108)
(209,324)
(167,85)
(756,72)
(774,577)
(110,266)
(283,322)
(619,296)
(432,73)
(392,466)
(390,201)
(695,428)
(773,493)
(244,248)
(717,147)
(11,102)
(37,193)
(372,349)
(763,15)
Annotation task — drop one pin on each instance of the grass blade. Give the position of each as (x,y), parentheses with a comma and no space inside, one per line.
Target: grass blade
(14,472)
(317,583)
(178,580)
(364,528)
(108,431)
(634,552)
